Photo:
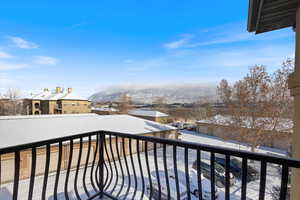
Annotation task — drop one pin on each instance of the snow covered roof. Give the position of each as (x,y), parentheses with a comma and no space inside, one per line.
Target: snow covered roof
(17,130)
(147,113)
(53,95)
(2,96)
(71,96)
(104,109)
(283,125)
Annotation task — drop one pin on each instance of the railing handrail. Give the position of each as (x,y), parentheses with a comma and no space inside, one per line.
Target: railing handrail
(192,145)
(215,149)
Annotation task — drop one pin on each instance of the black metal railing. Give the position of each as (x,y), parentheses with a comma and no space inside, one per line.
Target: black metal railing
(126,166)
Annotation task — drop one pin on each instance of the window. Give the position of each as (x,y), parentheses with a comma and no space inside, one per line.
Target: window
(37,105)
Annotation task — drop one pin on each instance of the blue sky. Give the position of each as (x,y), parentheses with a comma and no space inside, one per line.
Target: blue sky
(91,45)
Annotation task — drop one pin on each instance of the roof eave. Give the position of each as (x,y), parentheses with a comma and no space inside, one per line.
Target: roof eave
(252,15)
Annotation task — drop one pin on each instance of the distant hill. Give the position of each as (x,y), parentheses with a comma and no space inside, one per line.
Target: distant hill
(187,93)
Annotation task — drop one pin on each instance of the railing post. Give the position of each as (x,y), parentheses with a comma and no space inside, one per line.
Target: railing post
(294,85)
(101,163)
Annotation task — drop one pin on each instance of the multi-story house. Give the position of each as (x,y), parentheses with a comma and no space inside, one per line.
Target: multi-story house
(56,102)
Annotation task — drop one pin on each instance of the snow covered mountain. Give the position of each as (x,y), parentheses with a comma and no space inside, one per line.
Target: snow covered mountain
(186,93)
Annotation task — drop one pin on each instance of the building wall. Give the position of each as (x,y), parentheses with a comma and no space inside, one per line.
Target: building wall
(36,110)
(57,107)
(75,106)
(7,160)
(280,140)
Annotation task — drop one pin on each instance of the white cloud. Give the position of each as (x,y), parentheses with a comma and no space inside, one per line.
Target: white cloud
(5,55)
(225,34)
(239,37)
(45,60)
(22,43)
(11,66)
(178,43)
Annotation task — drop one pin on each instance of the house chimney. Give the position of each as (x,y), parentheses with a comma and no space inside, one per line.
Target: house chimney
(58,89)
(69,90)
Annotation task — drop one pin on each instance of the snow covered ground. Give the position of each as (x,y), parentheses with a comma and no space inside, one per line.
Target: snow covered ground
(197,137)
(273,173)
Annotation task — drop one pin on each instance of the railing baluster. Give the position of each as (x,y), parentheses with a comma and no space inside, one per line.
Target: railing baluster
(97,165)
(141,168)
(101,166)
(106,169)
(47,164)
(166,170)
(114,161)
(86,166)
(156,170)
(58,169)
(77,169)
(244,179)
(227,177)
(148,170)
(284,181)
(97,175)
(127,169)
(121,167)
(186,167)
(68,170)
(93,165)
(133,169)
(110,167)
(199,174)
(175,171)
(262,183)
(32,174)
(17,175)
(212,175)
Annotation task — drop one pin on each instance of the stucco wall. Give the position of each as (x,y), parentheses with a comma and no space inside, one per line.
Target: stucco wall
(52,106)
(75,106)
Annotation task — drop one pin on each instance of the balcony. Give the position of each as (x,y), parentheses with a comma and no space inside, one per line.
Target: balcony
(113,165)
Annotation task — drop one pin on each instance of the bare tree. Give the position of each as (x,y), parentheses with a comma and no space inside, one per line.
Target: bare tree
(12,103)
(202,109)
(160,102)
(257,104)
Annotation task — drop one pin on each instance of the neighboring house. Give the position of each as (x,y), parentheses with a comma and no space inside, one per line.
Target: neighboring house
(219,126)
(56,102)
(152,115)
(104,111)
(17,130)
